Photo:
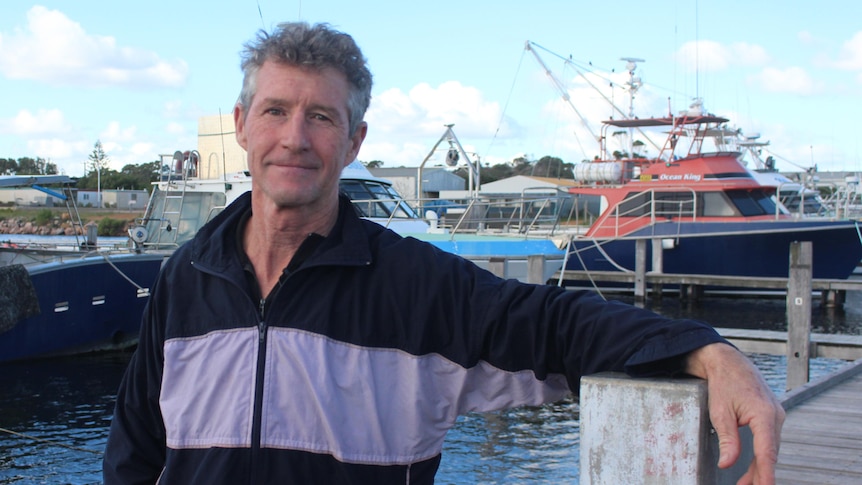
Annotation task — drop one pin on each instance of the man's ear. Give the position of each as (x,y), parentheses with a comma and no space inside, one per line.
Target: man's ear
(356,141)
(239,124)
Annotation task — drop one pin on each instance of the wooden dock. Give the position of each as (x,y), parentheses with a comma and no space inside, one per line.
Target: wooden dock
(821,442)
(774,342)
(693,286)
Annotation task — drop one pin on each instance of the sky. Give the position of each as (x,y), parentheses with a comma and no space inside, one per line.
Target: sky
(137,77)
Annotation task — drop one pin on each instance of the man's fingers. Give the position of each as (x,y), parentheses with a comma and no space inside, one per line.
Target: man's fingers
(728,439)
(765,448)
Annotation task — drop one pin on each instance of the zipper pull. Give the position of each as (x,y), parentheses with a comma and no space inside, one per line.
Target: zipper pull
(261,327)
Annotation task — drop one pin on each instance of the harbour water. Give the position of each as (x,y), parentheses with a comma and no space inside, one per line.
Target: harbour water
(55,414)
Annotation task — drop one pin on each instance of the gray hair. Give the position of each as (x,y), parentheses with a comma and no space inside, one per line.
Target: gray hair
(315,46)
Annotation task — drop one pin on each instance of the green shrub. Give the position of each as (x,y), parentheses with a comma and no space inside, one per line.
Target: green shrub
(43,217)
(111,227)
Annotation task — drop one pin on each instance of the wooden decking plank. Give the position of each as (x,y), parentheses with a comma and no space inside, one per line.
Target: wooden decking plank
(842,457)
(839,420)
(820,441)
(802,476)
(825,412)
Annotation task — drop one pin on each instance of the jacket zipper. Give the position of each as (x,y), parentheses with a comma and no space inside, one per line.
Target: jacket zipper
(257,416)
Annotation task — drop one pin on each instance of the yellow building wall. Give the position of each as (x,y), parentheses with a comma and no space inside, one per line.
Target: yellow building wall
(220,152)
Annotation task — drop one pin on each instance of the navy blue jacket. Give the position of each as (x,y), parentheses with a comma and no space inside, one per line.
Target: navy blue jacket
(356,365)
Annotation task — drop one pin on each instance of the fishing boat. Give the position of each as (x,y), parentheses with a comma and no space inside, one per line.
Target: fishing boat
(703,212)
(73,296)
(82,297)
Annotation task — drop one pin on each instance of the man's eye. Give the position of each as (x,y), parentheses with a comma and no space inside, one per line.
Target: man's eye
(274,111)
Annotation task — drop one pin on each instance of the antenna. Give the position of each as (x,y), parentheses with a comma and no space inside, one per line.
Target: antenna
(696,49)
(634,83)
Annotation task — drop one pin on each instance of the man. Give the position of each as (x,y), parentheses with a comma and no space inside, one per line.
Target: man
(316,347)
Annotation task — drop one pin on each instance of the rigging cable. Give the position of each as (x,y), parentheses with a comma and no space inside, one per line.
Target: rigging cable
(505,106)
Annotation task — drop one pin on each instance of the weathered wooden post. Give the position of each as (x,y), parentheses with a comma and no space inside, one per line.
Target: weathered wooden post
(640,270)
(536,269)
(657,266)
(799,313)
(651,431)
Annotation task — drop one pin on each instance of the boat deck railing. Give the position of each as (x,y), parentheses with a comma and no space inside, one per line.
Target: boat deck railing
(484,214)
(647,208)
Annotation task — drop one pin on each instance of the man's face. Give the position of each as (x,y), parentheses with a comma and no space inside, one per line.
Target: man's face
(296,135)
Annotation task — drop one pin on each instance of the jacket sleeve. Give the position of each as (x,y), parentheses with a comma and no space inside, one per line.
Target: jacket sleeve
(135,452)
(577,333)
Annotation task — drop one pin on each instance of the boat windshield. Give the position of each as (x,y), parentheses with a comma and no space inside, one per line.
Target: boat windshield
(375,199)
(752,202)
(174,218)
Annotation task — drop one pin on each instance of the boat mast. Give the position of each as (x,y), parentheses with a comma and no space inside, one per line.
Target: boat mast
(634,85)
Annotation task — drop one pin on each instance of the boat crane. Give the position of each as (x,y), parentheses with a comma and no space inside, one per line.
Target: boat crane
(634,84)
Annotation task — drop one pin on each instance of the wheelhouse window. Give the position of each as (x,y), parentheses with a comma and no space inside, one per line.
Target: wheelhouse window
(752,202)
(374,199)
(716,204)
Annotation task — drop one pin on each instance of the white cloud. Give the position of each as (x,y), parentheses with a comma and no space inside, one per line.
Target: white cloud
(851,54)
(403,127)
(58,51)
(43,122)
(792,80)
(69,156)
(805,37)
(426,109)
(175,128)
(114,133)
(142,151)
(173,109)
(749,54)
(710,56)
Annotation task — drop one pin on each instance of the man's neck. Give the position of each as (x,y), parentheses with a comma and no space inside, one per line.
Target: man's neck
(273,235)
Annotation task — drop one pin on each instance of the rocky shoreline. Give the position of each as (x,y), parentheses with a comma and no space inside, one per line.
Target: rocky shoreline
(58,227)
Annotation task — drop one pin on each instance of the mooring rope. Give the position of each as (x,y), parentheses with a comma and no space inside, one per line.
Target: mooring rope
(49,442)
(108,260)
(856,223)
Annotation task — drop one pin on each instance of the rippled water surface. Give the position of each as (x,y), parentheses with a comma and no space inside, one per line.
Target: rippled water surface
(69,402)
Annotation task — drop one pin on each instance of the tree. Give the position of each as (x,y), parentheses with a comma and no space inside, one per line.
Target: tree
(552,167)
(373,164)
(27,166)
(100,160)
(8,166)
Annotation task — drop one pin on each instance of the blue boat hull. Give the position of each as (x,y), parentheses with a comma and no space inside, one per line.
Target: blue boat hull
(757,249)
(85,305)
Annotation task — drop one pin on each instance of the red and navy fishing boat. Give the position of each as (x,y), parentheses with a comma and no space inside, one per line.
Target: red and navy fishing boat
(705,211)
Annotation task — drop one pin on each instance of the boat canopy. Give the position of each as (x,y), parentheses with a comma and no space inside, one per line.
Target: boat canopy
(28,180)
(666,121)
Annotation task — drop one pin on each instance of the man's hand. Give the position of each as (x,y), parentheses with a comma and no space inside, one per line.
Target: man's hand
(739,396)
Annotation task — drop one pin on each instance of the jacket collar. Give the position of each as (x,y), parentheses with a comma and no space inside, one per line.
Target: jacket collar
(214,247)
